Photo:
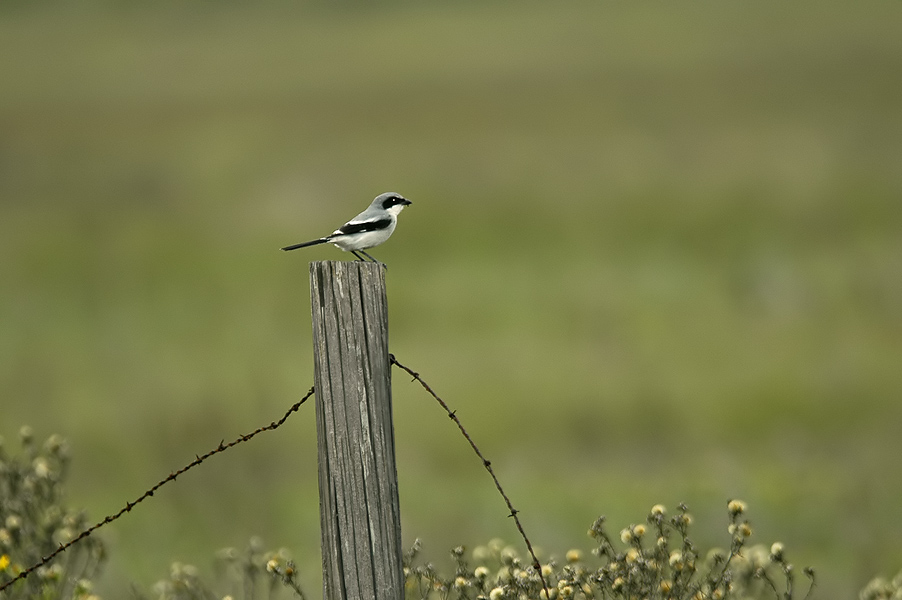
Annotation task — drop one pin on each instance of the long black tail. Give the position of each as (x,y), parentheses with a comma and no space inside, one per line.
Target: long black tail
(305,244)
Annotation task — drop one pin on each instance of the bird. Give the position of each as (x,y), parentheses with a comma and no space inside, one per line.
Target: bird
(368,229)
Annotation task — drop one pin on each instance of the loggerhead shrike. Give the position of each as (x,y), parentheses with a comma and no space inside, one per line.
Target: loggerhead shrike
(370,228)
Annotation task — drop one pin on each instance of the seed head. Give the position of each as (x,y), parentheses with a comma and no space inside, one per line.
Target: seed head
(776,552)
(736,507)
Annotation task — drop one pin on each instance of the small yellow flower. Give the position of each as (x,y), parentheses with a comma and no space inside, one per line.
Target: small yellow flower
(745,529)
(658,510)
(639,531)
(272,566)
(41,467)
(574,556)
(461,582)
(547,570)
(496,593)
(4,562)
(481,573)
(626,535)
(666,585)
(632,556)
(776,551)
(736,507)
(55,443)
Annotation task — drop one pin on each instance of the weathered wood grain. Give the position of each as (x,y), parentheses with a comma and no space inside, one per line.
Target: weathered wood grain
(358,483)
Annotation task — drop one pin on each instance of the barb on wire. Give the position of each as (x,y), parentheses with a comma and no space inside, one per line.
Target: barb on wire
(485,463)
(171,477)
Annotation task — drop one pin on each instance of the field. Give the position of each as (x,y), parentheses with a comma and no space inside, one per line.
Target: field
(654,255)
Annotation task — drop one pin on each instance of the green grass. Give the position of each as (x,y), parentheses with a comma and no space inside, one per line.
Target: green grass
(653,256)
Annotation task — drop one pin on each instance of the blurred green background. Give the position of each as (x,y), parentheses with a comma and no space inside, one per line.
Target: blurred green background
(654,255)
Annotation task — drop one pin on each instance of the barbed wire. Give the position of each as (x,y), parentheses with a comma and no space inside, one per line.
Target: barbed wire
(485,463)
(171,477)
(275,424)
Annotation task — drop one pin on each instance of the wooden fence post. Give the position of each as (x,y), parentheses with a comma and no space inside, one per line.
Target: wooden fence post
(358,483)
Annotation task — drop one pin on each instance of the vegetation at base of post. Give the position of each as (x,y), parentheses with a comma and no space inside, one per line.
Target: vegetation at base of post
(34,521)
(243,575)
(653,559)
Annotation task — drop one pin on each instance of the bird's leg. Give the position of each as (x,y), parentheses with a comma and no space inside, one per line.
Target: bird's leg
(373,259)
(360,258)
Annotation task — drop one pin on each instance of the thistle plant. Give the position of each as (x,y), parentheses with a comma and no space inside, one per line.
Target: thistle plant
(240,575)
(655,559)
(34,521)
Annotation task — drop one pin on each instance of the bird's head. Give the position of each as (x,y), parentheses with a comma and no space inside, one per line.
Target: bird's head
(391,202)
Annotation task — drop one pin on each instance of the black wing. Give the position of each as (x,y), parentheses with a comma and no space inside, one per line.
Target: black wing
(364,226)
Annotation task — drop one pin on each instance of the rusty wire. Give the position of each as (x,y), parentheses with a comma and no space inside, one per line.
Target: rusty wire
(485,463)
(275,424)
(171,477)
